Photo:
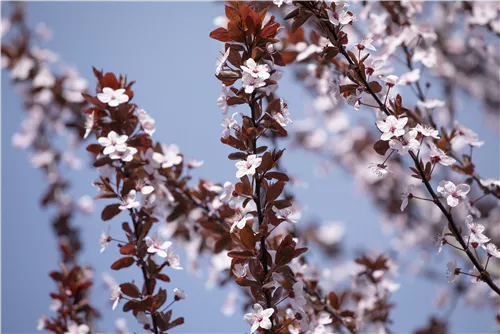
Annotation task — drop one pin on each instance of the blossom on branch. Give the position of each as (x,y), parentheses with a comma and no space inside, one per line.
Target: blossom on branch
(392,127)
(255,70)
(475,232)
(453,193)
(130,201)
(113,97)
(438,156)
(406,143)
(260,318)
(170,156)
(155,245)
(248,166)
(113,142)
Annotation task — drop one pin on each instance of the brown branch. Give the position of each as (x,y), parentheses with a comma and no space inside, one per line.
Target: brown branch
(260,216)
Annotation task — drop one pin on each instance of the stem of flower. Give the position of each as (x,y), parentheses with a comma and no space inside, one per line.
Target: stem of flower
(166,307)
(423,199)
(460,249)
(487,261)
(383,163)
(477,199)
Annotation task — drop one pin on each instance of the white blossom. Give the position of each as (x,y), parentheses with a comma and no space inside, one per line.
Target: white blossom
(392,127)
(406,143)
(113,142)
(260,318)
(130,201)
(155,245)
(222,61)
(406,195)
(113,97)
(493,250)
(452,272)
(228,123)
(170,156)
(256,70)
(438,156)
(427,131)
(179,294)
(475,231)
(74,328)
(222,100)
(250,83)
(248,166)
(453,193)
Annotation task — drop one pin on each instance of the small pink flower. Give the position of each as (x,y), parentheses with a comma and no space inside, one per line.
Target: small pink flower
(475,231)
(170,157)
(148,124)
(113,97)
(116,295)
(155,245)
(392,127)
(453,193)
(256,71)
(493,250)
(228,123)
(179,294)
(113,142)
(250,83)
(130,201)
(427,131)
(405,143)
(406,195)
(74,328)
(248,166)
(260,318)
(438,156)
(222,61)
(366,43)
(452,271)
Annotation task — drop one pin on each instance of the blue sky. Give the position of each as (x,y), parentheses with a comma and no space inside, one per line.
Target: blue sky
(173,62)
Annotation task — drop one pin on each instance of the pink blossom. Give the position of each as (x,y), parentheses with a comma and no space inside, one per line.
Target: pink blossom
(406,195)
(155,245)
(438,156)
(475,231)
(453,193)
(260,318)
(250,83)
(116,295)
(170,157)
(222,61)
(255,70)
(113,97)
(406,143)
(147,122)
(113,142)
(248,166)
(427,131)
(74,328)
(452,271)
(392,127)
(130,201)
(179,294)
(222,100)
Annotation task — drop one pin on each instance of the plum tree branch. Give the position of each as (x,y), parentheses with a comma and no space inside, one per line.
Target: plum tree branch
(453,225)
